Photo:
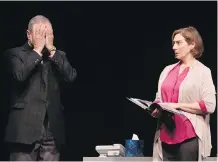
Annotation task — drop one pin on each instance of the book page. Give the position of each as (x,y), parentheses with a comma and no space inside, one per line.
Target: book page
(146,104)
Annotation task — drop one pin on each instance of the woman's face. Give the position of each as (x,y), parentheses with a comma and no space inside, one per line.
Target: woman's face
(181,47)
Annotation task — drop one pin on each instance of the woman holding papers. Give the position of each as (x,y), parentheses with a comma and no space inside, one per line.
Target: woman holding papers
(187,86)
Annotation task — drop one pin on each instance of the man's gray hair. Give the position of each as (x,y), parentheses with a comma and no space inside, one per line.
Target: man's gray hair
(37,19)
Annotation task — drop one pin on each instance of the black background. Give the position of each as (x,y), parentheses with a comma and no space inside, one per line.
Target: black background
(118,49)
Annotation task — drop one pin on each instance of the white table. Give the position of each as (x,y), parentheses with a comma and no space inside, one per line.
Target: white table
(132,159)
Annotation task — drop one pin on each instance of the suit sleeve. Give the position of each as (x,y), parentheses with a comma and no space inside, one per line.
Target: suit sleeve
(20,67)
(63,66)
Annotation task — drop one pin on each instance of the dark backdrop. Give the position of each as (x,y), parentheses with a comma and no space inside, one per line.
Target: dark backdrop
(119,50)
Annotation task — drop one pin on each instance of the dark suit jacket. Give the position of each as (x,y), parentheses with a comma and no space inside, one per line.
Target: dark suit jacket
(35,90)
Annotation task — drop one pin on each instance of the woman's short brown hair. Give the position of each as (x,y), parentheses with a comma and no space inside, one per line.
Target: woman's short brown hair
(191,35)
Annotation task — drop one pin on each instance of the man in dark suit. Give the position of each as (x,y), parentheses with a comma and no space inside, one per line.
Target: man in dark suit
(35,128)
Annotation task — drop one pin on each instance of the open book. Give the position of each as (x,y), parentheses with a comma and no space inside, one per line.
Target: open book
(150,106)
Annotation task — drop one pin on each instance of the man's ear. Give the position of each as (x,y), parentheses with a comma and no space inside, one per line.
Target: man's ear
(28,34)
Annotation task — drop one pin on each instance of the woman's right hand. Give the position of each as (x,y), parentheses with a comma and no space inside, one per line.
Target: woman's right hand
(156,113)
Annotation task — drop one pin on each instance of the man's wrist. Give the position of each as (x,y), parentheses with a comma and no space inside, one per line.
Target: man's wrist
(52,54)
(37,51)
(52,49)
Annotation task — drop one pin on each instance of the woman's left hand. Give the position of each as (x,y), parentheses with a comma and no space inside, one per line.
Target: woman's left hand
(174,105)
